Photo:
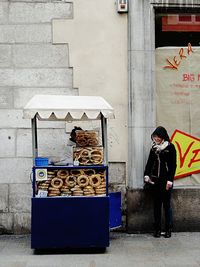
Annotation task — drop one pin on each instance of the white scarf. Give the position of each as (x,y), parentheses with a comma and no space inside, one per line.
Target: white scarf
(160,147)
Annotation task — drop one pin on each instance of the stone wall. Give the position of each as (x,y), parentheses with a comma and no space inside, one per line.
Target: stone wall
(185,204)
(29,64)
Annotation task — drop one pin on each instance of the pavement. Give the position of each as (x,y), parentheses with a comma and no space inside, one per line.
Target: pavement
(134,250)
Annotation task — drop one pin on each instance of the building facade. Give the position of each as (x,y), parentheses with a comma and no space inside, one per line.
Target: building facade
(74,48)
(146,35)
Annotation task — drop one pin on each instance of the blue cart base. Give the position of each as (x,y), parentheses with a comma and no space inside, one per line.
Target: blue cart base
(70,222)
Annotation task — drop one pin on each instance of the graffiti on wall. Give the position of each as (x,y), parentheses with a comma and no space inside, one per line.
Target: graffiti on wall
(176,60)
(188,153)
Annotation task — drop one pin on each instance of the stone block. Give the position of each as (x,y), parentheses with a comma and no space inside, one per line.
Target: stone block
(6,223)
(117,172)
(3,198)
(39,12)
(5,55)
(6,97)
(22,223)
(10,118)
(7,137)
(6,76)
(4,12)
(36,33)
(46,55)
(36,77)
(186,209)
(51,142)
(20,197)
(139,211)
(23,95)
(24,143)
(43,77)
(15,170)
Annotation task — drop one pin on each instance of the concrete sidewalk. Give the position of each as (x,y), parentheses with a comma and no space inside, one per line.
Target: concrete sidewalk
(125,250)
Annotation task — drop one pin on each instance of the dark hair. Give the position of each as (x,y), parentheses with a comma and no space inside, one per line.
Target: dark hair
(161,132)
(73,133)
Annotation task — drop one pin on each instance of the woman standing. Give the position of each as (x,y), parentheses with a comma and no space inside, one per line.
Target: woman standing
(159,172)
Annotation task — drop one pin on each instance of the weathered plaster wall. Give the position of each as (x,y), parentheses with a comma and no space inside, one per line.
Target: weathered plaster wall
(29,64)
(97,39)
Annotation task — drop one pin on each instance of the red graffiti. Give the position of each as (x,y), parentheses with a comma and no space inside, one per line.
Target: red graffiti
(184,155)
(189,50)
(175,62)
(193,160)
(181,53)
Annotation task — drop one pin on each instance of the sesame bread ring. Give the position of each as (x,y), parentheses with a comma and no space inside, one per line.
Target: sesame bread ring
(82,141)
(93,142)
(89,194)
(65,187)
(95,180)
(100,190)
(76,172)
(85,153)
(89,171)
(96,159)
(56,182)
(70,181)
(96,156)
(53,188)
(62,174)
(83,161)
(101,187)
(96,152)
(51,173)
(91,134)
(88,187)
(65,190)
(86,191)
(83,180)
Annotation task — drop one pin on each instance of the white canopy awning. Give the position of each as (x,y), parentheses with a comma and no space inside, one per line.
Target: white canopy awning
(63,107)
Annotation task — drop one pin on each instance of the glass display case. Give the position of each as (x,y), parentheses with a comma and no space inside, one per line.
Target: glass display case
(70,181)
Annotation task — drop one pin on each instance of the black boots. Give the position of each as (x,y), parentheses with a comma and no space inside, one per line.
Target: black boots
(168,233)
(157,233)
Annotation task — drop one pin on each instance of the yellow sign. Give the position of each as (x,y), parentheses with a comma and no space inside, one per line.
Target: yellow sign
(188,153)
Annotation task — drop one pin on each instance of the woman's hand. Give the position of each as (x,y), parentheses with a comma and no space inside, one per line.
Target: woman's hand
(147,179)
(169,185)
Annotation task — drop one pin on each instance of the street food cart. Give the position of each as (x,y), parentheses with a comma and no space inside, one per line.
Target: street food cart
(71,204)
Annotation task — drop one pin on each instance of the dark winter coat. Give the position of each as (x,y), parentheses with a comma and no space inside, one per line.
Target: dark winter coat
(161,166)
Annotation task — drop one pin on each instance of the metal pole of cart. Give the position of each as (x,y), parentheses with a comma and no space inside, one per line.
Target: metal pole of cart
(104,137)
(34,138)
